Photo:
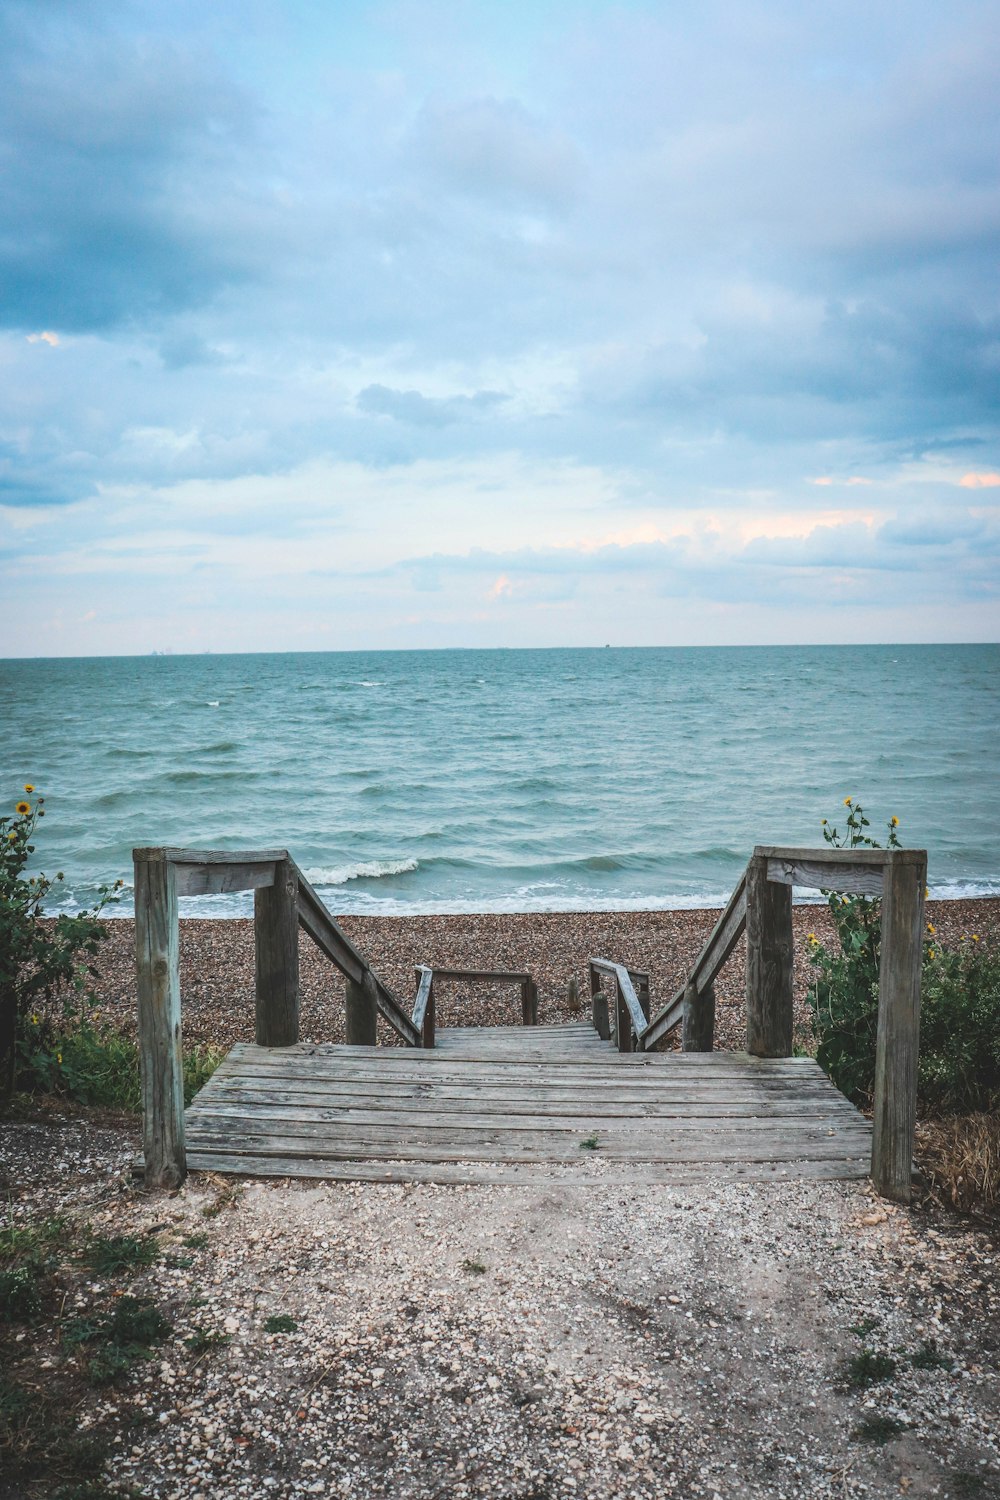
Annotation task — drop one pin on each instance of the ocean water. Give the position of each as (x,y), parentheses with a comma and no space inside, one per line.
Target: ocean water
(450,781)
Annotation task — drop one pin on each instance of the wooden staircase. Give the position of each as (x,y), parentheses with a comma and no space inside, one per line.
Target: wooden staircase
(521,1104)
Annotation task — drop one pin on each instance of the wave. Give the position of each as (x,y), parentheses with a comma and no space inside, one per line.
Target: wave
(366,869)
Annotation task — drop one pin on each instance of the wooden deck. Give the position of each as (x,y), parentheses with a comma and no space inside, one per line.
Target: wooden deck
(516,1104)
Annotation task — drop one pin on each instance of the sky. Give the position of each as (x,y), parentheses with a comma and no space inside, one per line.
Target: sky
(490,323)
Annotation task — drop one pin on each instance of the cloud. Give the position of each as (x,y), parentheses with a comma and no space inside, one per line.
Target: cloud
(495,148)
(980,481)
(52,339)
(425,411)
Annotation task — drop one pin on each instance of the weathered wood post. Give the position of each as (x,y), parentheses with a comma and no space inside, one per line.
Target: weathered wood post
(698,1025)
(427,1030)
(769,963)
(529,1002)
(897,1044)
(159,993)
(624,1039)
(599,1006)
(362,1011)
(276,943)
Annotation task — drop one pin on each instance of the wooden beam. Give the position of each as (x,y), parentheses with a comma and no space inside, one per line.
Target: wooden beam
(632,1021)
(599,1006)
(362,1011)
(212,856)
(874,858)
(501,976)
(423,1006)
(897,1043)
(699,1018)
(216,879)
(159,993)
(276,958)
(769,994)
(814,874)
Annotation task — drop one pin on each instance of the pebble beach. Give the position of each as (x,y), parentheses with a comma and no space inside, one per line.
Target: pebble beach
(217,965)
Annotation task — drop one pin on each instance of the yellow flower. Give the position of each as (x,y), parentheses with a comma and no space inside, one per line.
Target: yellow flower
(23,808)
(931,953)
(34,1020)
(822,822)
(975,937)
(931,928)
(848,801)
(58,1057)
(28,787)
(894,822)
(11,836)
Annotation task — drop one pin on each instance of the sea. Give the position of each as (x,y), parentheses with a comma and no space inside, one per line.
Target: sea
(408,782)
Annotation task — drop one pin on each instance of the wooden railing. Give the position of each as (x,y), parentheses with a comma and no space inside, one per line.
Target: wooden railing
(424,1004)
(284,901)
(627,1024)
(761,905)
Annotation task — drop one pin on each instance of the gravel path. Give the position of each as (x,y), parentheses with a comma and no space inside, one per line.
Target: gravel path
(217,964)
(529,1343)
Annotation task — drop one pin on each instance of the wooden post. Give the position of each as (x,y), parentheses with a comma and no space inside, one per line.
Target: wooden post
(159,992)
(769,963)
(698,1027)
(896,1049)
(599,1006)
(529,1002)
(276,941)
(642,990)
(427,1032)
(623,1022)
(362,1011)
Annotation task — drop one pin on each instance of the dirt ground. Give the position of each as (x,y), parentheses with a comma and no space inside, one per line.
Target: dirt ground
(724,1339)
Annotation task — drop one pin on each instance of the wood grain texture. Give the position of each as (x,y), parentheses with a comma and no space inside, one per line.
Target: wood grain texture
(814,874)
(769,1002)
(461,1111)
(361,1016)
(895,1103)
(276,959)
(699,1018)
(721,941)
(159,996)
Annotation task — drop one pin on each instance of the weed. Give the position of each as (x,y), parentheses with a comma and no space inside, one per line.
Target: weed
(136,1321)
(39,1441)
(590,1144)
(110,1364)
(18,1240)
(122,1252)
(868,1368)
(281,1323)
(195,1241)
(225,1199)
(929,1357)
(879,1429)
(204,1339)
(179,1262)
(20,1294)
(865,1327)
(474,1267)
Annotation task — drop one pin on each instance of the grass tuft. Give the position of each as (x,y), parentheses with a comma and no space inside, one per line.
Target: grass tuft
(929,1357)
(474,1267)
(281,1323)
(591,1143)
(879,1429)
(869,1368)
(123,1252)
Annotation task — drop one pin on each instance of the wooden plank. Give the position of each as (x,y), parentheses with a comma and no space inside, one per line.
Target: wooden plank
(216,879)
(683,1093)
(159,995)
(769,991)
(875,858)
(255,1113)
(489,1174)
(276,959)
(424,1008)
(305,1103)
(500,976)
(895,1102)
(813,874)
(508,1148)
(211,856)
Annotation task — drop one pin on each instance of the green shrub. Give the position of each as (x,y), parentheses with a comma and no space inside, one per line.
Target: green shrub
(96,1065)
(959,1065)
(39,962)
(121,1252)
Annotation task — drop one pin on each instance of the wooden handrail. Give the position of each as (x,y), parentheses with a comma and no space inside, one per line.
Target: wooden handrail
(529,991)
(632,1022)
(316,920)
(723,939)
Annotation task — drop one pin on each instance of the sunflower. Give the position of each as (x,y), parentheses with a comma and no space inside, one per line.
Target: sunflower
(23,809)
